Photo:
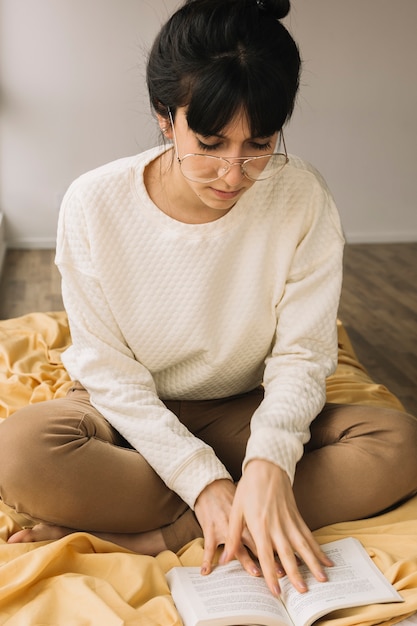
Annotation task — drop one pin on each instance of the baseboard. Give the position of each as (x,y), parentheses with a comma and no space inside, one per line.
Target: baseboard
(2,256)
(410,236)
(2,243)
(32,243)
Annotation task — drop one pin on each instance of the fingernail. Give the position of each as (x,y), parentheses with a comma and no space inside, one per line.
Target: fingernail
(255,571)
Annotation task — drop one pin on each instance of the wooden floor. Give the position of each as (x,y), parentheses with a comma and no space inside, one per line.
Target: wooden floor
(379,309)
(30,282)
(378,305)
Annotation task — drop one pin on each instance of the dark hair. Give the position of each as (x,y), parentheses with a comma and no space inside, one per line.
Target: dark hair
(220,56)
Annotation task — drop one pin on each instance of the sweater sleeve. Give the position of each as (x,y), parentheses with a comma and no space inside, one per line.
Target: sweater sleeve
(304,351)
(120,387)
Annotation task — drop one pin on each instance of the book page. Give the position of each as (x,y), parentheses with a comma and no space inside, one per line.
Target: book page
(353,581)
(227,596)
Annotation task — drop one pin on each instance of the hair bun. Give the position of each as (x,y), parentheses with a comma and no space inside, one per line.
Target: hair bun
(277,8)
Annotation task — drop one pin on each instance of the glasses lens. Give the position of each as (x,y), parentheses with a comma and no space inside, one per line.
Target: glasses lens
(260,168)
(202,168)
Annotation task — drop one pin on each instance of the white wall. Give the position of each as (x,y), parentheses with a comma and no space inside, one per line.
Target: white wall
(73,97)
(356,118)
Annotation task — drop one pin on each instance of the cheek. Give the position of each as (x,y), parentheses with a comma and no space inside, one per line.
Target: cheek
(197,188)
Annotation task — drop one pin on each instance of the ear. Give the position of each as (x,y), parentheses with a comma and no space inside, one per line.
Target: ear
(164,125)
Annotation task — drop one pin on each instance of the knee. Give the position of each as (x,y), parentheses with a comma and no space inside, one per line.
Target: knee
(15,433)
(21,437)
(398,432)
(385,442)
(407,425)
(30,441)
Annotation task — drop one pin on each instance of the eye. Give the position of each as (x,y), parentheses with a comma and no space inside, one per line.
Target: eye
(262,147)
(205,147)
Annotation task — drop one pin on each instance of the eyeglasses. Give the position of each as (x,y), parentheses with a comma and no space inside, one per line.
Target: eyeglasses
(205,168)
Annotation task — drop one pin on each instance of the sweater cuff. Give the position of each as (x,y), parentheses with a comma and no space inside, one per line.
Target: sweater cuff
(280,447)
(195,474)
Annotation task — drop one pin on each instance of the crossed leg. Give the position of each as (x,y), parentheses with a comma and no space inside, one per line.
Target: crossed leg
(61,463)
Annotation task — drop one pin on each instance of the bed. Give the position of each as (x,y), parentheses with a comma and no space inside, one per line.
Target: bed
(81,580)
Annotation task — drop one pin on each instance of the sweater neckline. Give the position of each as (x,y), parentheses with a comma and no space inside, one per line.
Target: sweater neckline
(162,220)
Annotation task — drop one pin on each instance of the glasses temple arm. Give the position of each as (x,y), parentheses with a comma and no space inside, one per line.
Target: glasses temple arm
(283,142)
(174,136)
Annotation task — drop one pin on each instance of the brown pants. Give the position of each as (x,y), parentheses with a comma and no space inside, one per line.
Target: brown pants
(61,462)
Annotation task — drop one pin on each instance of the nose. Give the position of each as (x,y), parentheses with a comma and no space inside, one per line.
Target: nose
(235,174)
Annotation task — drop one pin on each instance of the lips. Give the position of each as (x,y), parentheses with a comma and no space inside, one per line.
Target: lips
(226,195)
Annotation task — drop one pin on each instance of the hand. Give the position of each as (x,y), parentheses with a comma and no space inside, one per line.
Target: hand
(264,503)
(212,508)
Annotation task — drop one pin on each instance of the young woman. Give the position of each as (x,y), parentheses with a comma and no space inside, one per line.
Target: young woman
(201,281)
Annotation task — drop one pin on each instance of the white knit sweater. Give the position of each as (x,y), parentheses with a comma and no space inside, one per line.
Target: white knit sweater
(163,309)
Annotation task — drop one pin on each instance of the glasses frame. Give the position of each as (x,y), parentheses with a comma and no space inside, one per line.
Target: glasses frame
(242,161)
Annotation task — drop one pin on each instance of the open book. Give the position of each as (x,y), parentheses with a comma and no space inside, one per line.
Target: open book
(230,596)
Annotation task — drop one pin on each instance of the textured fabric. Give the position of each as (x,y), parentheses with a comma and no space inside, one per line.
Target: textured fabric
(83,580)
(31,369)
(163,309)
(84,461)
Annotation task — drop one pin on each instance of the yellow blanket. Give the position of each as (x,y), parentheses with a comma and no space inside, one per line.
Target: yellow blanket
(31,368)
(83,581)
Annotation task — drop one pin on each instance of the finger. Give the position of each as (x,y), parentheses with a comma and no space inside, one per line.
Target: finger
(315,559)
(210,547)
(310,553)
(280,571)
(247,562)
(290,564)
(269,566)
(234,538)
(322,556)
(304,550)
(249,543)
